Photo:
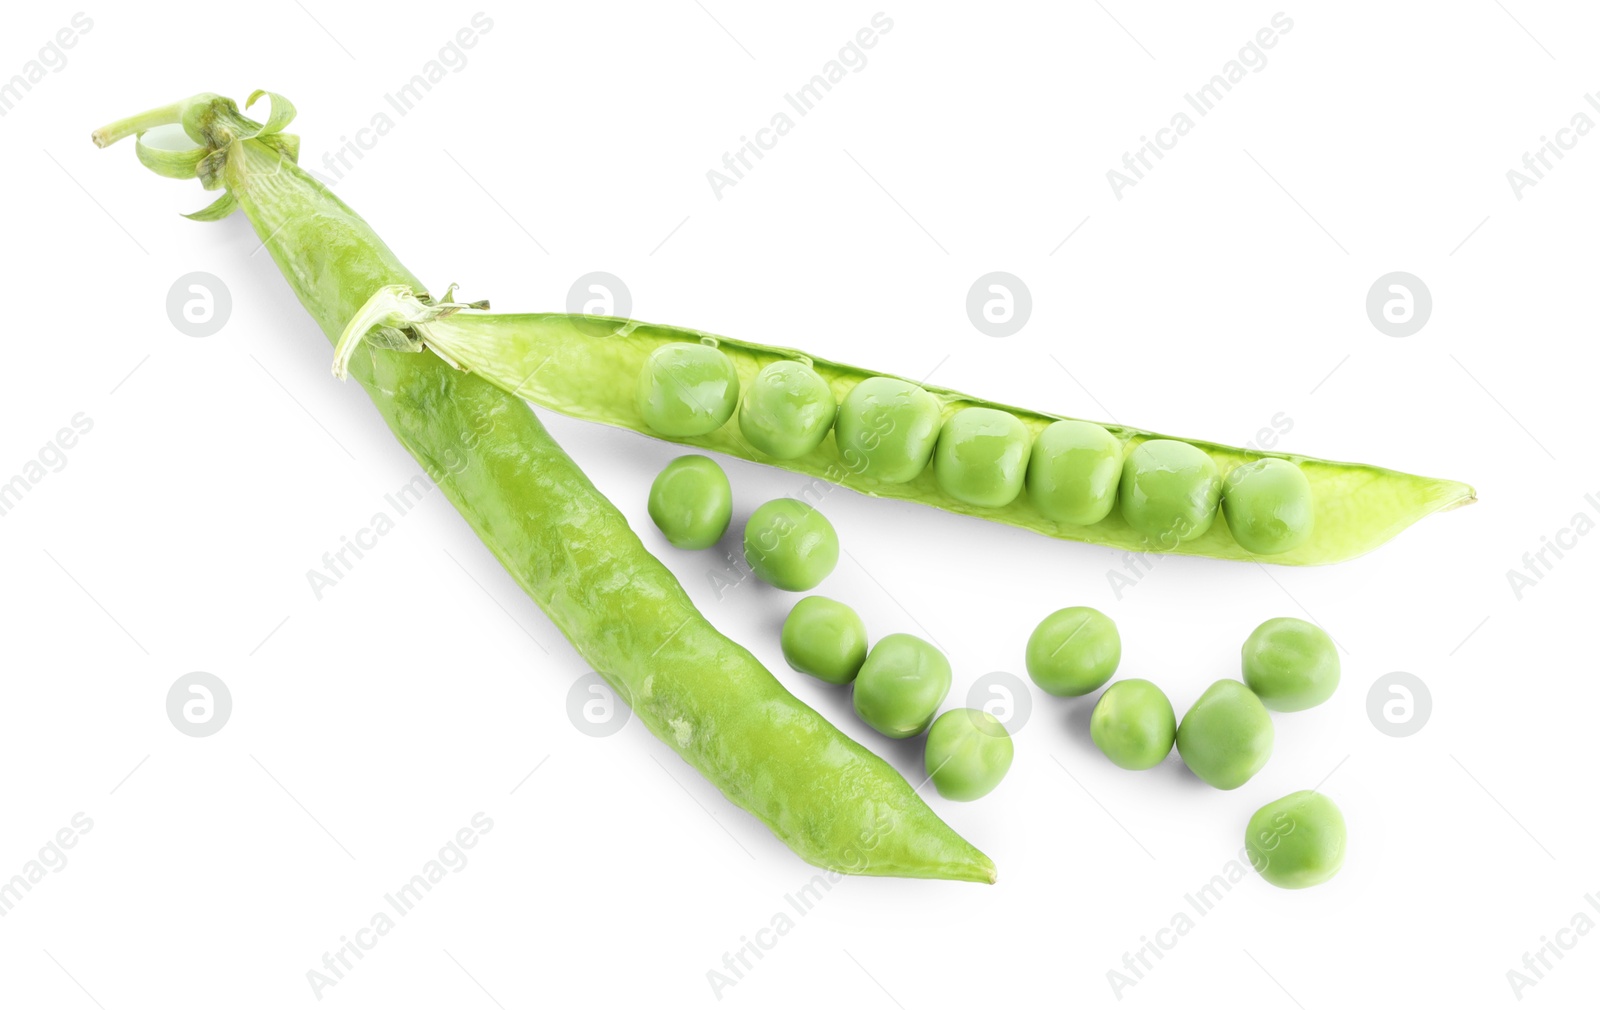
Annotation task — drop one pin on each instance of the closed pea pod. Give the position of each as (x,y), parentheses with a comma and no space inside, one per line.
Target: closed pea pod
(982,457)
(567,546)
(1073,472)
(787,410)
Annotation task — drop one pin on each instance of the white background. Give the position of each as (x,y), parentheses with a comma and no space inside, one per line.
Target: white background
(1227,287)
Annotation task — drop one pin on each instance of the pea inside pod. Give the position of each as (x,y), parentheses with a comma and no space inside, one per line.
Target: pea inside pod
(1073,472)
(687,389)
(1169,491)
(982,457)
(887,429)
(787,411)
(1267,506)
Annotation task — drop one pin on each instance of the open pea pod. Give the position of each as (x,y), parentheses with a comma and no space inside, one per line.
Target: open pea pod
(587,367)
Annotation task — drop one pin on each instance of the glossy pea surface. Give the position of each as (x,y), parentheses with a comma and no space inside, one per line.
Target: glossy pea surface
(787,411)
(1169,491)
(824,638)
(1267,506)
(901,685)
(967,754)
(691,502)
(1226,736)
(887,428)
(1133,724)
(790,545)
(687,389)
(1073,472)
(1297,841)
(982,457)
(1073,651)
(1290,664)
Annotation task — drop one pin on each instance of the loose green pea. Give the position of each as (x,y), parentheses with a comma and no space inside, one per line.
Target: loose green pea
(1267,506)
(1169,490)
(1290,664)
(687,389)
(1298,841)
(1226,736)
(824,638)
(968,753)
(787,410)
(1133,724)
(789,544)
(901,685)
(1073,651)
(887,429)
(691,502)
(982,457)
(1073,472)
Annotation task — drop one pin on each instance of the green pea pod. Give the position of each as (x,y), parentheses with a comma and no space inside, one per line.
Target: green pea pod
(585,366)
(831,800)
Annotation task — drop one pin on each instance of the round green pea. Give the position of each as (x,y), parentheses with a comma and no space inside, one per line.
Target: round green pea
(787,410)
(687,389)
(1226,736)
(824,638)
(1298,841)
(968,753)
(789,544)
(982,457)
(1073,472)
(1133,724)
(1267,506)
(1169,490)
(1073,651)
(691,502)
(901,685)
(887,428)
(1290,664)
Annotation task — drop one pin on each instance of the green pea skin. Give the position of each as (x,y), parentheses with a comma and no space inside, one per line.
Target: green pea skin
(1073,472)
(1267,504)
(790,545)
(1169,491)
(1073,652)
(1297,841)
(824,638)
(982,457)
(901,686)
(1133,724)
(1290,664)
(967,754)
(787,411)
(1226,736)
(887,428)
(687,389)
(691,502)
